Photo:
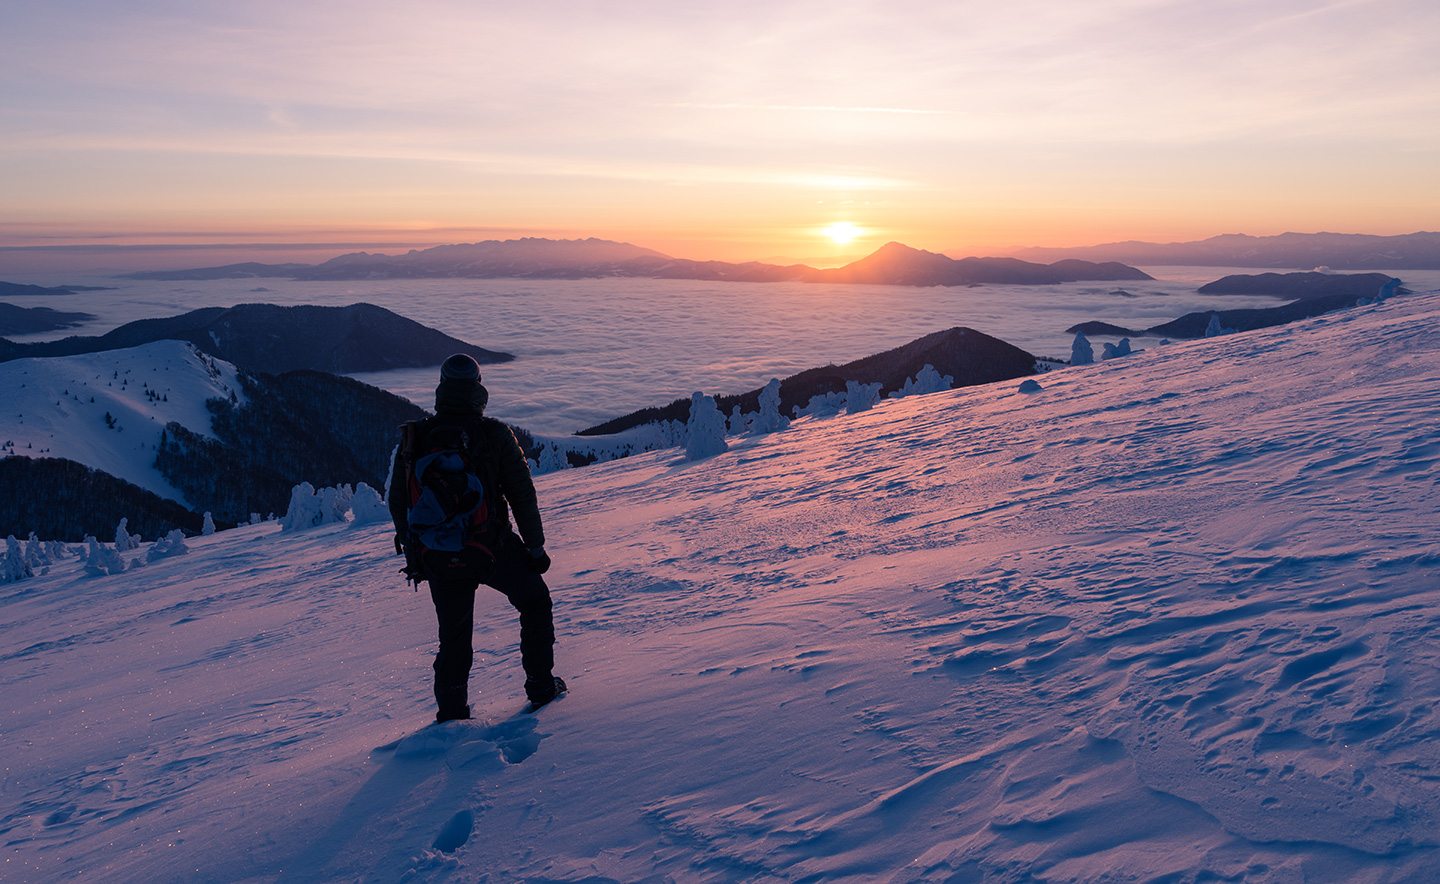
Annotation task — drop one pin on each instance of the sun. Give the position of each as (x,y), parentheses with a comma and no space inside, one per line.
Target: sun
(842,232)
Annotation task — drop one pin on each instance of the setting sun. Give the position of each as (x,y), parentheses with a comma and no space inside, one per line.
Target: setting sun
(842,232)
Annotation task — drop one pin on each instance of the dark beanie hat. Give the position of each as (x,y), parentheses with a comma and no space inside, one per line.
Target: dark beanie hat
(460,368)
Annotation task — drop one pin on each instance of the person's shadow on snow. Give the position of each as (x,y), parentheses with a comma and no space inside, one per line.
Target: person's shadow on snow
(426,784)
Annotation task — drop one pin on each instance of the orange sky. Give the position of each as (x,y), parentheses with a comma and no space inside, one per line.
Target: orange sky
(737,131)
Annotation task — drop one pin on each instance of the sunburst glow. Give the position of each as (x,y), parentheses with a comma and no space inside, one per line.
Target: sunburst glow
(843,232)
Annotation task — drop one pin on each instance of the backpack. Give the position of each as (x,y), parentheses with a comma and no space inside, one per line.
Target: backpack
(452,499)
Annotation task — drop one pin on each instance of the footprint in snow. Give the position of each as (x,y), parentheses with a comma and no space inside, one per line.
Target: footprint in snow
(455,832)
(515,738)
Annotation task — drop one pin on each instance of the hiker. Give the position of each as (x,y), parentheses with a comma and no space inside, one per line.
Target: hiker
(491,552)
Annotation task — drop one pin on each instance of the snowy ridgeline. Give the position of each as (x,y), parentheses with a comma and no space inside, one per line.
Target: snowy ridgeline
(704,433)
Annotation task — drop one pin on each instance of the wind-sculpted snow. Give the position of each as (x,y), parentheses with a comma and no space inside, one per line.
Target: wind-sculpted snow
(1169,618)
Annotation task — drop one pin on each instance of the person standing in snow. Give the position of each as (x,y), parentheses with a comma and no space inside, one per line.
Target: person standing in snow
(520,560)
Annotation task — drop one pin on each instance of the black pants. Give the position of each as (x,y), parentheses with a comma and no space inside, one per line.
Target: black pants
(455,613)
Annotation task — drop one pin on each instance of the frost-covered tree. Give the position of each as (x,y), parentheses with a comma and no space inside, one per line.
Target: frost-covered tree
(705,430)
(208,526)
(740,423)
(551,459)
(1215,329)
(367,507)
(36,556)
(101,559)
(1387,290)
(124,540)
(926,380)
(1115,351)
(334,503)
(768,419)
(172,544)
(823,405)
(1081,353)
(13,567)
(304,510)
(860,397)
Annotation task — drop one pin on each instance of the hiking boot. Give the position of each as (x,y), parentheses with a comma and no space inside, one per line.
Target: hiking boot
(542,691)
(451,700)
(452,714)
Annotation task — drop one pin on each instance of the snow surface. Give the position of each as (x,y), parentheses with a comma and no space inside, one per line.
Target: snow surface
(1174,617)
(57,406)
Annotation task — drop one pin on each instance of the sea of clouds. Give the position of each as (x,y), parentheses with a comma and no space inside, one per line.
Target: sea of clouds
(590,350)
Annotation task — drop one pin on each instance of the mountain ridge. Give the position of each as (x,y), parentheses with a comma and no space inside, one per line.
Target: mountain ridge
(1298,251)
(274,338)
(968,356)
(538,258)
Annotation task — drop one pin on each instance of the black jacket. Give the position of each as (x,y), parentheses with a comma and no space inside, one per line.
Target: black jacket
(497,447)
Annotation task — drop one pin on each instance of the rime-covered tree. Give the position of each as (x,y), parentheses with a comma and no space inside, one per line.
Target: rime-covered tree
(13,566)
(705,429)
(860,397)
(769,419)
(1115,351)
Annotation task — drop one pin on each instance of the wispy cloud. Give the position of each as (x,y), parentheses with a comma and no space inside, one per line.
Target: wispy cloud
(819,108)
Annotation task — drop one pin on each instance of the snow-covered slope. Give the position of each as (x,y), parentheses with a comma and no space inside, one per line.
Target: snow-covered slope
(1173,617)
(58,406)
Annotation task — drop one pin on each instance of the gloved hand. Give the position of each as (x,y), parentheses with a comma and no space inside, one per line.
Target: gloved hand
(539,562)
(414,569)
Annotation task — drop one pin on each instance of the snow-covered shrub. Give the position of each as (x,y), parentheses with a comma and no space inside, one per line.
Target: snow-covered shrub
(208,527)
(1215,329)
(304,510)
(1030,385)
(1387,290)
(1115,351)
(768,419)
(124,540)
(101,559)
(37,558)
(705,431)
(1081,353)
(740,423)
(860,397)
(367,507)
(13,567)
(334,503)
(926,380)
(172,544)
(824,405)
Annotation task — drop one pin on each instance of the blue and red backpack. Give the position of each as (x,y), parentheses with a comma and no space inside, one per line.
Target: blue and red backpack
(452,499)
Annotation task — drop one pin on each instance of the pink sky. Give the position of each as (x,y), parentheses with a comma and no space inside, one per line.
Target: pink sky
(736,131)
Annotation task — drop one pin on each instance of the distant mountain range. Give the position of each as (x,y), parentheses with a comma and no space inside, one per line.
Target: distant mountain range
(1313,294)
(28,320)
(533,258)
(20,290)
(1299,251)
(270,338)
